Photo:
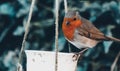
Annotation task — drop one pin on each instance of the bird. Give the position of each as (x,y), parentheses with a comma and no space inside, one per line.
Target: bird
(81,32)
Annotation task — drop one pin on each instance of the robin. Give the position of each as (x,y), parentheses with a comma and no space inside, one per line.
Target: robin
(81,32)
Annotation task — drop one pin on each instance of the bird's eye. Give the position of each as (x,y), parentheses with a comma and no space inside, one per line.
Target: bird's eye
(67,22)
(74,19)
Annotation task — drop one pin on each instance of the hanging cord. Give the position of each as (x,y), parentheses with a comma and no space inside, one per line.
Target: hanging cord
(25,36)
(115,62)
(66,10)
(65,6)
(56,33)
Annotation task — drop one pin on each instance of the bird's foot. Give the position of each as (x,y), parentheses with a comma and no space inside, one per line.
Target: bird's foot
(76,56)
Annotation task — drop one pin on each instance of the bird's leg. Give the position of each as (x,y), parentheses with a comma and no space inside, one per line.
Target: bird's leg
(69,47)
(77,55)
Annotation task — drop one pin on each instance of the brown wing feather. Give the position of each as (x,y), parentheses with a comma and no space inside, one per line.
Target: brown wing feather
(88,26)
(89,30)
(93,36)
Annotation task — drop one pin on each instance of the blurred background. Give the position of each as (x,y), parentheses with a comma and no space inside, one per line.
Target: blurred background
(104,14)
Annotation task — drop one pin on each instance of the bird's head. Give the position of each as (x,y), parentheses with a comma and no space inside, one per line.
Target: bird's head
(72,20)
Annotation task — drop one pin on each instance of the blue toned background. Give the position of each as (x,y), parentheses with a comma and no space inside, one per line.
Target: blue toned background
(104,14)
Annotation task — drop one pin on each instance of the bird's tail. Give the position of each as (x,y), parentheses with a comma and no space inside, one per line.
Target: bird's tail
(112,39)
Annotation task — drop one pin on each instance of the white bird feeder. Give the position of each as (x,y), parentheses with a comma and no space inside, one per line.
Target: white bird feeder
(45,61)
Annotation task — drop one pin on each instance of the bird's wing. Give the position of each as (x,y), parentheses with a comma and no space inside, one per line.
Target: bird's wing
(88,26)
(88,30)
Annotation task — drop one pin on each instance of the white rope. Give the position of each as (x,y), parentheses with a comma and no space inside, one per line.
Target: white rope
(66,10)
(56,33)
(65,6)
(115,61)
(25,35)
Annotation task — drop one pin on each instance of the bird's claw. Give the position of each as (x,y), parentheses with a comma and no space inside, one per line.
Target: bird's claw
(76,56)
(80,54)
